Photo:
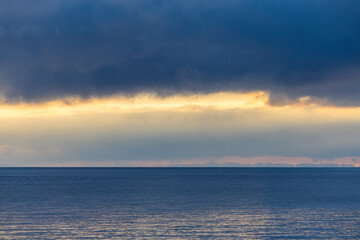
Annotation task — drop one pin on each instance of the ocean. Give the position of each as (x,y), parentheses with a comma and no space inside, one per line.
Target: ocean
(179,203)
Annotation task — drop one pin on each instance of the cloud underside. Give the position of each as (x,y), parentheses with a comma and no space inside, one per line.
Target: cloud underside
(54,49)
(220,129)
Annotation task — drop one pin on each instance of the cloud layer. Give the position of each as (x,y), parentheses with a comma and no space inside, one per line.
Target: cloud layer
(58,48)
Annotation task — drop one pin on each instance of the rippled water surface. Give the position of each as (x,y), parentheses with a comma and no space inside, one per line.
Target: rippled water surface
(179,203)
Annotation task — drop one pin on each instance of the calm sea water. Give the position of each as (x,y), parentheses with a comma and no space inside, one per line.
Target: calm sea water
(179,203)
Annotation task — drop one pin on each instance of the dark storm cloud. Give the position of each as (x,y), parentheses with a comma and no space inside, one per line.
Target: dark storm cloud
(56,48)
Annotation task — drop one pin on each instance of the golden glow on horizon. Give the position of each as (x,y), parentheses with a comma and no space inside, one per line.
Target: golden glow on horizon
(139,103)
(66,129)
(304,109)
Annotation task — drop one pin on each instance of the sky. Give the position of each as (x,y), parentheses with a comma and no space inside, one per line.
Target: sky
(180,83)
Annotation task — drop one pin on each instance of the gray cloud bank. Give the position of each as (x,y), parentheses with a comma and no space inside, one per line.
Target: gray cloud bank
(57,48)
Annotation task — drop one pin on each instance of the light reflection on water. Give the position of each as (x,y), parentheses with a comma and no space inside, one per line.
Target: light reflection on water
(180,204)
(244,224)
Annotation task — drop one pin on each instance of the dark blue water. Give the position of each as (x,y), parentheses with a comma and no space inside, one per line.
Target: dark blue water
(180,203)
